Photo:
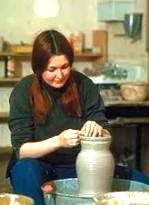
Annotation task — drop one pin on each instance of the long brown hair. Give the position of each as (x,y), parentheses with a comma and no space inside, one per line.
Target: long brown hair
(47,44)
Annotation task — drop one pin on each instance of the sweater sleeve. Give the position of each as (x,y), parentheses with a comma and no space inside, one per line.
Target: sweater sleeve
(94,106)
(20,117)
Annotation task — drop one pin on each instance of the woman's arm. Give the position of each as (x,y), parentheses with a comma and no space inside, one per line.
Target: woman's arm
(67,138)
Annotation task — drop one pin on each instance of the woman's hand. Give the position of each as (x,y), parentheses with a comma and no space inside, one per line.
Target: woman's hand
(70,138)
(93,129)
(67,138)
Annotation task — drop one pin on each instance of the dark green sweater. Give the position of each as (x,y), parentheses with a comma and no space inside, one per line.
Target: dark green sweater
(22,126)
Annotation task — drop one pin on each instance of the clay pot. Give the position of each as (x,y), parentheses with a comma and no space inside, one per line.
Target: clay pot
(95,165)
(133,91)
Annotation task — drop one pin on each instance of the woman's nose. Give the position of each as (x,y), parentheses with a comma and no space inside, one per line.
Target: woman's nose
(59,74)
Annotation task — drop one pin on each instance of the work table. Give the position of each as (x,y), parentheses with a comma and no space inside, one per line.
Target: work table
(123,108)
(123,114)
(120,103)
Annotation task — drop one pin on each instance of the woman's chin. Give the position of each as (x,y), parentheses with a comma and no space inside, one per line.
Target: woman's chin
(60,85)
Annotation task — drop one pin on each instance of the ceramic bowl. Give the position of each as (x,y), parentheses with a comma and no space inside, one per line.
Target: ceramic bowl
(134,91)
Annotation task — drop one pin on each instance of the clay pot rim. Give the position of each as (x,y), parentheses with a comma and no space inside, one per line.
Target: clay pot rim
(98,138)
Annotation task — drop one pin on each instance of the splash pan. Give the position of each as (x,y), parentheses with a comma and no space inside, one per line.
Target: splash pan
(66,191)
(123,197)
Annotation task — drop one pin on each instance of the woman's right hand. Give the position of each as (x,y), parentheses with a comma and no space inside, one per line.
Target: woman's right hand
(70,138)
(67,138)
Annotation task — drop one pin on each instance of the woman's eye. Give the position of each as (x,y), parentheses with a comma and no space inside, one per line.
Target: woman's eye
(65,66)
(51,69)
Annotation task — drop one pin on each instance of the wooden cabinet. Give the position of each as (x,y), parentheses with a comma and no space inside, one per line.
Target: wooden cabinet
(113,10)
(3,117)
(8,82)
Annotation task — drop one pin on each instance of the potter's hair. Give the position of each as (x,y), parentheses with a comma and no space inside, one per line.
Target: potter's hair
(47,44)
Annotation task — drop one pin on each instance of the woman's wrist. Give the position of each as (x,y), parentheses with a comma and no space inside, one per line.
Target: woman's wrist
(57,142)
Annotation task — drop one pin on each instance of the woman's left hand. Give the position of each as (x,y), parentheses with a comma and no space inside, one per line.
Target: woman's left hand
(93,129)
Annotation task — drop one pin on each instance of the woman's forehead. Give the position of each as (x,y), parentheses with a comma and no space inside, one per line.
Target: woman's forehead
(58,59)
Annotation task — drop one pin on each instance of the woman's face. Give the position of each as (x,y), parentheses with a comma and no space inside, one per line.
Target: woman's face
(57,71)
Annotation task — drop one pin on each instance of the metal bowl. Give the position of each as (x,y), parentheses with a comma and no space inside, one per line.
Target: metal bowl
(123,198)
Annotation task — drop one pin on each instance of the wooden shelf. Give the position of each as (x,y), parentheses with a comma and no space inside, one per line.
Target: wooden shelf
(85,55)
(6,150)
(3,117)
(5,54)
(8,82)
(20,56)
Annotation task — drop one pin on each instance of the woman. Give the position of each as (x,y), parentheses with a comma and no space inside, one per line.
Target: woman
(49,112)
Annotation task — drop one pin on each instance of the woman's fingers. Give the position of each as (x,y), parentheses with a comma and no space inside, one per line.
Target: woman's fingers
(97,131)
(105,132)
(93,129)
(71,137)
(88,128)
(74,142)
